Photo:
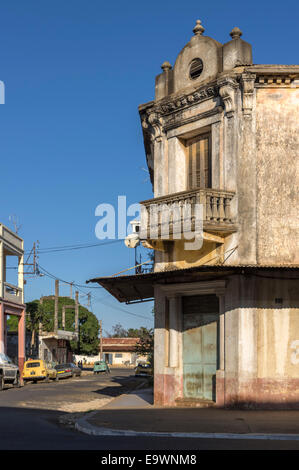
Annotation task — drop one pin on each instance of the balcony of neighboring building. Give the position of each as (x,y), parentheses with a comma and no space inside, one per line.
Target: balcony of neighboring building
(11,266)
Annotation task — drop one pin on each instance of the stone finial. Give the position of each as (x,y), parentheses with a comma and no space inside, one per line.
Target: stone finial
(166,66)
(198,29)
(236,33)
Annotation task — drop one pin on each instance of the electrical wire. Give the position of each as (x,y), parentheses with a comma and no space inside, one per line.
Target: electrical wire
(52,276)
(79,246)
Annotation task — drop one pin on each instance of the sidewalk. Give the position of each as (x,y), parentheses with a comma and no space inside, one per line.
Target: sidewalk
(134,414)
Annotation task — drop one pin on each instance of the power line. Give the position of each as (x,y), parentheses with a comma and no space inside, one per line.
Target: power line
(52,276)
(125,311)
(80,246)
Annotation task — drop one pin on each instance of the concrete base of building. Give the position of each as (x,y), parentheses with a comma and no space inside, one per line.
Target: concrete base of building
(193,403)
(260,393)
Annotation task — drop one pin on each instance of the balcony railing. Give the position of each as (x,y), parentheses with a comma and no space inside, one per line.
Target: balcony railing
(166,217)
(13,293)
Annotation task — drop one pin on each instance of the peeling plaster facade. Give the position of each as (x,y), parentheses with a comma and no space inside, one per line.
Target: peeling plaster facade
(250,218)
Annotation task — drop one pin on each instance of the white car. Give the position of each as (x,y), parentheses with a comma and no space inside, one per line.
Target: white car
(9,372)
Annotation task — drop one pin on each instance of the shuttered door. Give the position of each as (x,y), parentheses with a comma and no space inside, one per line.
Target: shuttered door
(199,162)
(200,340)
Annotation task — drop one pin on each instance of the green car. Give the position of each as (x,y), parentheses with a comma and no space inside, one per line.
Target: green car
(101,366)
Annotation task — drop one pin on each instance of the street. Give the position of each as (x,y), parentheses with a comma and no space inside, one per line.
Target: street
(29,419)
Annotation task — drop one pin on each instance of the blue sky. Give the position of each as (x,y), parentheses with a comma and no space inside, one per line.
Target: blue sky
(75,73)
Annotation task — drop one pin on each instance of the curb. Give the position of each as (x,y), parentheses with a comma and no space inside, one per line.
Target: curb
(82,425)
(85,427)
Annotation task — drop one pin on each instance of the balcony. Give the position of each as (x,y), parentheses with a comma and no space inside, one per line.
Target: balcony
(165,218)
(12,293)
(11,247)
(61,334)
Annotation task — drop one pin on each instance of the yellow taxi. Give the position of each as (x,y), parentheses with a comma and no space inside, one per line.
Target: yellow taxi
(143,368)
(37,369)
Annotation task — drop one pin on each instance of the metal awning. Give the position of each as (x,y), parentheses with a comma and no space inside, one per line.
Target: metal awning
(140,287)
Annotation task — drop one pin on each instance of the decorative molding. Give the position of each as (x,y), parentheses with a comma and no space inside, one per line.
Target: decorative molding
(154,118)
(187,100)
(153,123)
(227,89)
(247,81)
(279,80)
(174,123)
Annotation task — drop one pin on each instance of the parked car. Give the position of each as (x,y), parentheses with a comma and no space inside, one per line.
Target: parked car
(9,372)
(64,370)
(101,366)
(143,368)
(37,369)
(76,371)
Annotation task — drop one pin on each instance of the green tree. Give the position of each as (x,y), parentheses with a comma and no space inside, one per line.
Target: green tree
(118,331)
(44,312)
(88,333)
(133,333)
(145,345)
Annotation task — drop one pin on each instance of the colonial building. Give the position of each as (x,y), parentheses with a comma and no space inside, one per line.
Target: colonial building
(116,352)
(12,295)
(121,351)
(222,135)
(55,345)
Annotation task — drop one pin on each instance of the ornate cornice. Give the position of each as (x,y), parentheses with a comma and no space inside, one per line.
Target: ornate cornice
(186,100)
(275,80)
(161,115)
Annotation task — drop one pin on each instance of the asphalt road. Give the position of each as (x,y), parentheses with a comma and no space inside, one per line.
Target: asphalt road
(29,419)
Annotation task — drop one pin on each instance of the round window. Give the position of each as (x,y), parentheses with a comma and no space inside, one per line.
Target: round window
(195,68)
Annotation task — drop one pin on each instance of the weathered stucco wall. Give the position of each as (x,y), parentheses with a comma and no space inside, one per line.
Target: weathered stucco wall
(262,342)
(277,118)
(260,362)
(252,115)
(167,380)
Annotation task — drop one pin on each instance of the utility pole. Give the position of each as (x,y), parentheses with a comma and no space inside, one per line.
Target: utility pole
(33,256)
(56,306)
(40,331)
(71,290)
(88,299)
(76,311)
(101,341)
(63,317)
(40,324)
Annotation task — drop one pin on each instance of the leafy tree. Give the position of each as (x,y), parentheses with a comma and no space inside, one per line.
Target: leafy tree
(145,345)
(133,333)
(44,312)
(88,333)
(118,331)
(12,323)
